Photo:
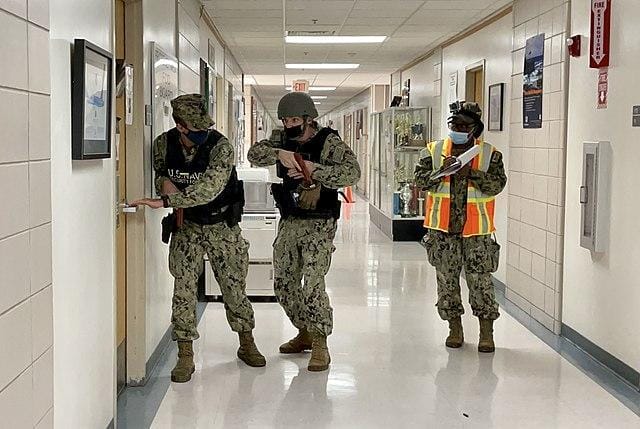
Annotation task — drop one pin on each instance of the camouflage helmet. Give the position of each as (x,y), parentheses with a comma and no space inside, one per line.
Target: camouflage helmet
(467,113)
(192,108)
(296,104)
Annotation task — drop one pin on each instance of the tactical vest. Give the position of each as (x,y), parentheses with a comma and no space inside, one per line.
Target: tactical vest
(227,204)
(480,207)
(286,194)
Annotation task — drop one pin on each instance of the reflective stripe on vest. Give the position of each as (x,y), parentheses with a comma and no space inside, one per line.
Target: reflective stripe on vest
(480,207)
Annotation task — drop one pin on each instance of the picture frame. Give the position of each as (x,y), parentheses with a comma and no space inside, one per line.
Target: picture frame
(91,101)
(496,107)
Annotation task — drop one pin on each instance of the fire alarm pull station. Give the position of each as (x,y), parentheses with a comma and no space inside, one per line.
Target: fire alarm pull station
(594,196)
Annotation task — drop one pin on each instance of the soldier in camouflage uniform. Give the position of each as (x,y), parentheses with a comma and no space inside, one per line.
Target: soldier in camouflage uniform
(460,223)
(195,175)
(304,244)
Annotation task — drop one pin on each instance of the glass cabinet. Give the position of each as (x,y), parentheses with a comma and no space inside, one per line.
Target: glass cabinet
(396,205)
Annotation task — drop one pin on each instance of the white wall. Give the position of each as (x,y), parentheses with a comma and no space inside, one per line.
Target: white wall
(83,211)
(601,293)
(26,320)
(160,27)
(189,46)
(493,44)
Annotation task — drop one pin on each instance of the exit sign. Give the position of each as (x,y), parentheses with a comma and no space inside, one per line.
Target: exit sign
(300,86)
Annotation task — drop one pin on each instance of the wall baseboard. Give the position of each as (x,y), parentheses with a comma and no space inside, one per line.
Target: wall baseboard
(605,358)
(615,376)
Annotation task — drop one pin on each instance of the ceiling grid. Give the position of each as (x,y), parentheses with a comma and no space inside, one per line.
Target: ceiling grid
(254,31)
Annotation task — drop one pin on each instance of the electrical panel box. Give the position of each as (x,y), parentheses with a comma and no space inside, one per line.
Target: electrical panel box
(595,196)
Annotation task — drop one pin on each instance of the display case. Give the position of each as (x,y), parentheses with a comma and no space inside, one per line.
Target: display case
(398,136)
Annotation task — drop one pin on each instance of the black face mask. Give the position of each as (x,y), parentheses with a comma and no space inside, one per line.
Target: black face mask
(198,137)
(294,132)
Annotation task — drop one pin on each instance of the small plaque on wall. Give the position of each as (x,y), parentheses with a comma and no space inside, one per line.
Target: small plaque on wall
(91,102)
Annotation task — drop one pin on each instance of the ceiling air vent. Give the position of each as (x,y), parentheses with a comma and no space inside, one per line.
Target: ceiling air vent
(310,33)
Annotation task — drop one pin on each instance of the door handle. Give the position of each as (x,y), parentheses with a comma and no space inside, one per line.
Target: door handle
(584,195)
(126,208)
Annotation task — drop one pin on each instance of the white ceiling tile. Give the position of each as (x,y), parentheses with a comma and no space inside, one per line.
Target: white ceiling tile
(254,31)
(457,4)
(375,22)
(242,4)
(248,13)
(409,5)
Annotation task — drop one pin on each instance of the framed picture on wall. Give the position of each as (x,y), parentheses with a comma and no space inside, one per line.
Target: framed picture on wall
(91,102)
(496,105)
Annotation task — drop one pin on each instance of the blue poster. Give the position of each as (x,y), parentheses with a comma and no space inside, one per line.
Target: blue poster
(532,82)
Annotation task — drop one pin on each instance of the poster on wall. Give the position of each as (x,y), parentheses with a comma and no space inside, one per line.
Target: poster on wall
(532,82)
(453,87)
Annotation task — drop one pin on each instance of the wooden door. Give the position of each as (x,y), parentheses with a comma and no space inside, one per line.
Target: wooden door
(121,218)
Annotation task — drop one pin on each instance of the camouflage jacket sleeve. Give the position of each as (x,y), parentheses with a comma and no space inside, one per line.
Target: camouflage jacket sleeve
(264,153)
(493,181)
(212,182)
(423,172)
(339,166)
(159,163)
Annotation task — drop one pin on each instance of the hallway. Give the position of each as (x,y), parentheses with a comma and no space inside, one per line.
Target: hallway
(390,367)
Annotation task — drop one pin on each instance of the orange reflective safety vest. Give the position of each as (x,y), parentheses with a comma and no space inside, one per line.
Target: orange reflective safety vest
(480,207)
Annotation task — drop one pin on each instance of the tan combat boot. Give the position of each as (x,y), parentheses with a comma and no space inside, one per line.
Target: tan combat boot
(456,335)
(486,345)
(185,366)
(302,342)
(320,358)
(248,351)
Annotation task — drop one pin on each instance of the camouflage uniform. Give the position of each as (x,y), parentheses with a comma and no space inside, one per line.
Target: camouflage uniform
(303,247)
(227,250)
(449,252)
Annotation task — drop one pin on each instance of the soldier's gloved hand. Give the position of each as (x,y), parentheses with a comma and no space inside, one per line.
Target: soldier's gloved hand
(309,196)
(449,161)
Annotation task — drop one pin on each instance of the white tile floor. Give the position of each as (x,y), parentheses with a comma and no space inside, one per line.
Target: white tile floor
(390,367)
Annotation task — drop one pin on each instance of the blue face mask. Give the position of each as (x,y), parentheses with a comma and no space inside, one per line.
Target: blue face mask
(198,137)
(458,137)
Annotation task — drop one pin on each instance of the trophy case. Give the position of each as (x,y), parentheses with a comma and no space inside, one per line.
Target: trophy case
(396,205)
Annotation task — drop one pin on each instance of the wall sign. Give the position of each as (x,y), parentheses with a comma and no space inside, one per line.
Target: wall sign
(496,104)
(635,120)
(600,33)
(603,88)
(453,87)
(532,83)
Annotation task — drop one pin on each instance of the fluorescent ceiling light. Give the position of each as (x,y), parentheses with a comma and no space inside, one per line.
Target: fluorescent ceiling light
(323,66)
(317,102)
(317,88)
(319,97)
(334,39)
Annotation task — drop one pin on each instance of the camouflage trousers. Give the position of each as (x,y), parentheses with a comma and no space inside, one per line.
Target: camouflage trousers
(229,256)
(449,254)
(303,250)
